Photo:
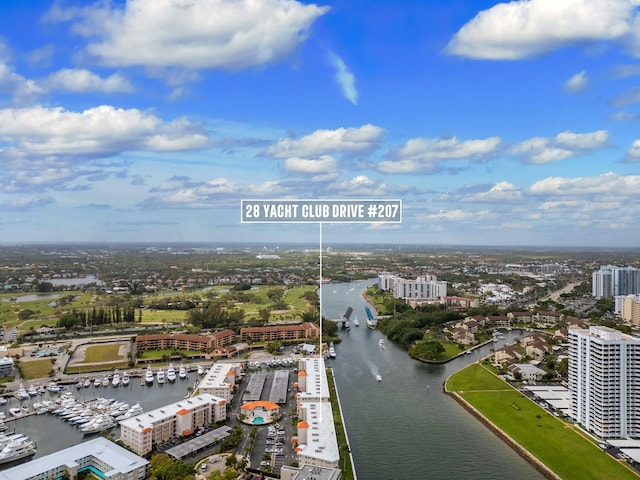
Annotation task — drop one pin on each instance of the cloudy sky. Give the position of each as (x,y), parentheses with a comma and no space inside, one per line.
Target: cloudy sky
(150,120)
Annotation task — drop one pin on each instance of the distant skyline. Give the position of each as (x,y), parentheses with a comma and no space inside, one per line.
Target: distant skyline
(150,120)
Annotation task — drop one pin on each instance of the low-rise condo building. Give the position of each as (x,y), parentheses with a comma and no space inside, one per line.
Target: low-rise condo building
(220,380)
(98,456)
(144,432)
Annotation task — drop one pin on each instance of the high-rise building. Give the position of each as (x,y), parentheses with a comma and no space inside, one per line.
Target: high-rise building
(424,286)
(610,281)
(604,381)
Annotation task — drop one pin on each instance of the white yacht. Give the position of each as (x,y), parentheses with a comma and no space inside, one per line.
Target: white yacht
(102,422)
(17,449)
(115,380)
(125,379)
(148,376)
(160,376)
(182,373)
(171,373)
(22,393)
(33,391)
(381,342)
(332,350)
(200,370)
(378,377)
(97,382)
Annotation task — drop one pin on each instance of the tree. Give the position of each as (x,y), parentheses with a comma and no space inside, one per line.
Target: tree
(163,467)
(428,350)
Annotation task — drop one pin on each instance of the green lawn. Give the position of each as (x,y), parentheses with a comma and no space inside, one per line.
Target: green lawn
(554,442)
(102,353)
(36,369)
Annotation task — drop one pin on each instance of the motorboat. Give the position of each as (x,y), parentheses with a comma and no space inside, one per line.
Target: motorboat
(148,376)
(171,373)
(356,322)
(33,391)
(99,424)
(182,372)
(15,411)
(332,350)
(115,380)
(200,370)
(125,379)
(378,377)
(86,383)
(21,393)
(97,382)
(3,401)
(160,376)
(17,449)
(381,342)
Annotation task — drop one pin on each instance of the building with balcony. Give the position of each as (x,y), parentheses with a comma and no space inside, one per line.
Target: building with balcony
(291,332)
(604,381)
(220,381)
(144,432)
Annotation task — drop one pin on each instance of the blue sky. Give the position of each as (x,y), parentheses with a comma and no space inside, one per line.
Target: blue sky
(149,120)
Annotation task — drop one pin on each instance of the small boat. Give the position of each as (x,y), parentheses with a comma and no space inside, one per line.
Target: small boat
(15,411)
(200,370)
(115,380)
(97,382)
(125,379)
(86,383)
(182,372)
(105,381)
(160,376)
(171,373)
(33,391)
(381,342)
(332,350)
(378,377)
(356,322)
(148,376)
(22,394)
(3,401)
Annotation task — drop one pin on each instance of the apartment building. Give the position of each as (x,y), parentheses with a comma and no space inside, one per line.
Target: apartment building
(610,281)
(292,332)
(316,443)
(144,432)
(220,381)
(183,341)
(424,286)
(604,381)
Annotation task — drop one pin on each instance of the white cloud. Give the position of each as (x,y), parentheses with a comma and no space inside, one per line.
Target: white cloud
(428,154)
(500,192)
(633,153)
(83,81)
(311,166)
(456,215)
(102,130)
(577,83)
(621,71)
(539,150)
(627,98)
(362,185)
(606,184)
(320,142)
(192,34)
(344,78)
(525,28)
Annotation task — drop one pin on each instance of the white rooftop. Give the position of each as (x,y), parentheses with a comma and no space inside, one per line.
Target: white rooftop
(316,384)
(119,459)
(147,419)
(321,434)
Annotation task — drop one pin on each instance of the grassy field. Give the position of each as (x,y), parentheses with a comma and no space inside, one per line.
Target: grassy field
(35,369)
(556,443)
(102,353)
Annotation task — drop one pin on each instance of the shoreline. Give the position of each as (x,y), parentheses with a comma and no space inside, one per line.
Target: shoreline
(519,449)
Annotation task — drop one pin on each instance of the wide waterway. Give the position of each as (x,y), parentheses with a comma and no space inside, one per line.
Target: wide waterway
(405,426)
